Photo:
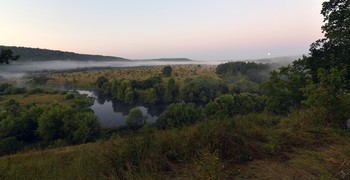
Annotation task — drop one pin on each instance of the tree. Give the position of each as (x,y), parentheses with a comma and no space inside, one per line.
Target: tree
(130,96)
(223,106)
(7,55)
(329,64)
(151,96)
(171,91)
(202,88)
(81,128)
(50,123)
(337,21)
(284,88)
(333,51)
(125,92)
(329,94)
(228,105)
(167,70)
(101,81)
(135,118)
(323,78)
(63,123)
(178,115)
(245,103)
(253,71)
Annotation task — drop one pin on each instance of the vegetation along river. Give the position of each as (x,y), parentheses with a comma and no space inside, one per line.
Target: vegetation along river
(112,113)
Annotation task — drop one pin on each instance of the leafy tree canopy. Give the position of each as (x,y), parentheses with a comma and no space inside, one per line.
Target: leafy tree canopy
(323,78)
(167,70)
(7,55)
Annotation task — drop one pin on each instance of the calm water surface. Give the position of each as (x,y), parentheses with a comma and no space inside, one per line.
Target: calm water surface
(113,113)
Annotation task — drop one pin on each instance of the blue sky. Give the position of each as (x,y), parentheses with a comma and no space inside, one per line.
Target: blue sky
(197,29)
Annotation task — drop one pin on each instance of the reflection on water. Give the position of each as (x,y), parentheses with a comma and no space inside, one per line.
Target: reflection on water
(114,113)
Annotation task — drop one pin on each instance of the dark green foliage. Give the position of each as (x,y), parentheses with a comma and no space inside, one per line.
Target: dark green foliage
(130,97)
(101,81)
(284,88)
(81,128)
(6,55)
(178,115)
(202,89)
(135,119)
(69,96)
(82,103)
(57,122)
(255,72)
(171,91)
(245,103)
(323,79)
(4,86)
(31,125)
(104,86)
(28,123)
(333,50)
(167,71)
(146,84)
(243,84)
(121,90)
(329,93)
(229,105)
(336,15)
(10,145)
(40,80)
(244,76)
(50,123)
(126,90)
(12,107)
(151,96)
(222,106)
(160,90)
(45,54)
(8,89)
(37,91)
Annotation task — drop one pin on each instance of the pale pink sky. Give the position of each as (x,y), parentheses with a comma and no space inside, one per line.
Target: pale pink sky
(196,29)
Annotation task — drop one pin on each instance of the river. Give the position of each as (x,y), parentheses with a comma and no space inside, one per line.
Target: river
(112,113)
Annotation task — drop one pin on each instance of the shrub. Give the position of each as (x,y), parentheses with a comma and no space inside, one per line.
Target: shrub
(178,115)
(135,119)
(69,96)
(167,70)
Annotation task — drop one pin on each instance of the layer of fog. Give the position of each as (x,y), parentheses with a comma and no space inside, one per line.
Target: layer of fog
(17,69)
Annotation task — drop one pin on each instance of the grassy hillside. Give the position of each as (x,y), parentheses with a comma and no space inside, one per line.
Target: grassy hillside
(46,54)
(255,146)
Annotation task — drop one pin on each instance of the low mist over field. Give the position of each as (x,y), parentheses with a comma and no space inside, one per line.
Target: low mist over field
(35,59)
(19,68)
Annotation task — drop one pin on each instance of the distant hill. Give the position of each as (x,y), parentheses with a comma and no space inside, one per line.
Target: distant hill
(46,54)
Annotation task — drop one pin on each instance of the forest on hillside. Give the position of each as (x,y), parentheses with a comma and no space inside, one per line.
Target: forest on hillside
(46,54)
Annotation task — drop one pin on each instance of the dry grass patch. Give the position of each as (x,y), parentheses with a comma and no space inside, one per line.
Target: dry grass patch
(38,99)
(87,78)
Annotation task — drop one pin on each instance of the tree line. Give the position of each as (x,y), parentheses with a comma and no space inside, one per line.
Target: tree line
(34,126)
(46,54)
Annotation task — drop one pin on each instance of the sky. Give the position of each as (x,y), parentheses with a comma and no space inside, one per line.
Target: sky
(140,29)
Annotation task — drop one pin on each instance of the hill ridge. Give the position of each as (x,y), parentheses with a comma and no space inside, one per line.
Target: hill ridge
(28,53)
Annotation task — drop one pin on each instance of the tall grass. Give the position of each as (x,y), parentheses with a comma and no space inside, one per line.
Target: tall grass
(251,146)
